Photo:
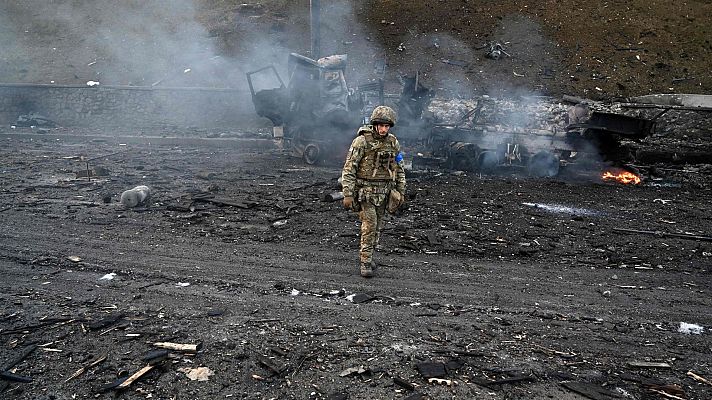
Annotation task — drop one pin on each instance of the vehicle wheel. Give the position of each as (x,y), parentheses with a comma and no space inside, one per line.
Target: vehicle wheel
(464,157)
(311,154)
(543,165)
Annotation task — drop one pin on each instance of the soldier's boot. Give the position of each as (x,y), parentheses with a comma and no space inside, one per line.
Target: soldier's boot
(366,270)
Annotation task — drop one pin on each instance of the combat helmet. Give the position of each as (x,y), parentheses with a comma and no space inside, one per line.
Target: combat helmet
(383,115)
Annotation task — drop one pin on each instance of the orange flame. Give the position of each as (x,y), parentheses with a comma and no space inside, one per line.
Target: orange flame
(622,177)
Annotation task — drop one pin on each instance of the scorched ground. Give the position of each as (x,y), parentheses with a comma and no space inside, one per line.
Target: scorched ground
(499,287)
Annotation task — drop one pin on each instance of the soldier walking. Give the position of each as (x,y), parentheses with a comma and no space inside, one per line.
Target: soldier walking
(373,180)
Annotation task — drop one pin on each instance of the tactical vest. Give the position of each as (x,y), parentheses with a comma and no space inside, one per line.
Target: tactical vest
(379,160)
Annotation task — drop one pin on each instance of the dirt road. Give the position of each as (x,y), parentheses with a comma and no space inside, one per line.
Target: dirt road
(503,287)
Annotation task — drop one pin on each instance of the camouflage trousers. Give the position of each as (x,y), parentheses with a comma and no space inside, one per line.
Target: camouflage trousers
(372,204)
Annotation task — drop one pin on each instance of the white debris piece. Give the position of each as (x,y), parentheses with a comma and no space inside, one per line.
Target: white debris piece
(108,277)
(353,370)
(93,83)
(183,284)
(185,71)
(295,292)
(199,374)
(136,196)
(690,329)
(446,382)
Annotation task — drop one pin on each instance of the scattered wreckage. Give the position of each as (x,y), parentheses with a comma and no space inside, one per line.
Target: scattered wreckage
(33,120)
(315,116)
(534,134)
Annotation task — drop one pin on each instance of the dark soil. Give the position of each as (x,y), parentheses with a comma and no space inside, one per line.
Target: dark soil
(472,275)
(509,287)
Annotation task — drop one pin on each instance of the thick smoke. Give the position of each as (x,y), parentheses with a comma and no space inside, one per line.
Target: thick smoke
(447,73)
(174,43)
(342,33)
(137,43)
(145,43)
(159,44)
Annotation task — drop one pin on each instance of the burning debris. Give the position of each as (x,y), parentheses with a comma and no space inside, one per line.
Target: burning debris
(624,177)
(480,135)
(535,134)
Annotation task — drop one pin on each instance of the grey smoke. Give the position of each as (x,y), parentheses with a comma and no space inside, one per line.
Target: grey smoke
(143,42)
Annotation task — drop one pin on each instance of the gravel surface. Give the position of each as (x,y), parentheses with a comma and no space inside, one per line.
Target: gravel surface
(489,278)
(488,286)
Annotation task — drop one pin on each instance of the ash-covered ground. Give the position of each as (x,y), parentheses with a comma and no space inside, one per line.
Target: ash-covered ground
(488,287)
(501,287)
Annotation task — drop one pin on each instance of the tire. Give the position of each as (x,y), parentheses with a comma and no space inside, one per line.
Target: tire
(311,154)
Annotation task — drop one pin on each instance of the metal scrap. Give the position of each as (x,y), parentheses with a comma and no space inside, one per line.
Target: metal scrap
(353,371)
(495,51)
(591,391)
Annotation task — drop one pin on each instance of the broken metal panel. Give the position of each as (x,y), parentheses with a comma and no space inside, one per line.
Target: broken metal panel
(624,125)
(275,75)
(271,103)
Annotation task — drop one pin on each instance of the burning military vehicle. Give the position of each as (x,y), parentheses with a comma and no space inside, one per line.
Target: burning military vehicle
(535,134)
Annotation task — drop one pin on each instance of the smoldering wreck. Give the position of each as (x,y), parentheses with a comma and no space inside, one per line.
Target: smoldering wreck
(184,241)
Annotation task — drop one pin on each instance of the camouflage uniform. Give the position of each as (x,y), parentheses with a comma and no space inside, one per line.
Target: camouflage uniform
(373,167)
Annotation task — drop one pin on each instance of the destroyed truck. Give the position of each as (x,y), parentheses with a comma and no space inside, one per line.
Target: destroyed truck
(485,135)
(315,114)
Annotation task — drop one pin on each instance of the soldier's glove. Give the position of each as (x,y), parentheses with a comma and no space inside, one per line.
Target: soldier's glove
(348,202)
(395,200)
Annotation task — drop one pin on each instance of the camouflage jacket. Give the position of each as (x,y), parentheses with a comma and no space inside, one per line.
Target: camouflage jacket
(372,161)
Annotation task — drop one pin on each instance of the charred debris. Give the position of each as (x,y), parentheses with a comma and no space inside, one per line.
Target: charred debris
(315,111)
(315,115)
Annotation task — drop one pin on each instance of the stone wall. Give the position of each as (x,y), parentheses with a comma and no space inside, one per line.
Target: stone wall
(129,106)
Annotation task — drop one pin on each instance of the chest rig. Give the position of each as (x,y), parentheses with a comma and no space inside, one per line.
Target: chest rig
(379,160)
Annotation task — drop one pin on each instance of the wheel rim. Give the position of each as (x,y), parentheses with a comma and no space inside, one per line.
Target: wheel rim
(311,154)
